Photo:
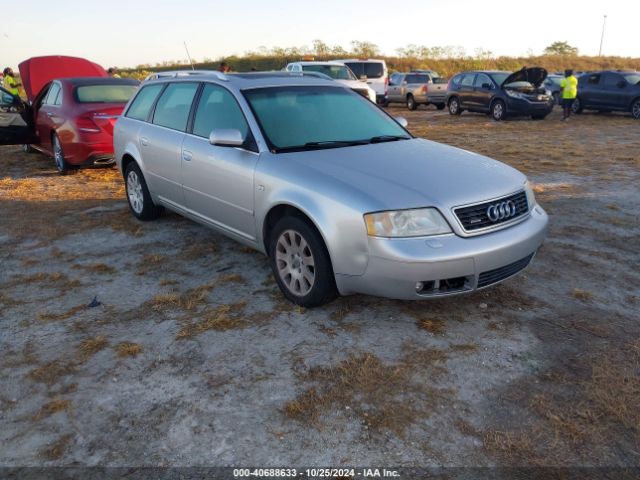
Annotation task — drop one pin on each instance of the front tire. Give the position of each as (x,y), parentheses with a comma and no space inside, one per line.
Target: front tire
(411,103)
(454,106)
(498,110)
(58,156)
(301,264)
(635,109)
(138,196)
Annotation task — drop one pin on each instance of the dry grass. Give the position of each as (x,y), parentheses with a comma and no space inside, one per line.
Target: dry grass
(52,407)
(194,297)
(57,280)
(464,347)
(128,349)
(57,449)
(222,318)
(435,326)
(56,317)
(581,294)
(383,396)
(98,267)
(53,371)
(199,250)
(91,346)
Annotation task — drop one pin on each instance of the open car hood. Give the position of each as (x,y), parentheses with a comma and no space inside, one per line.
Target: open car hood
(534,75)
(36,72)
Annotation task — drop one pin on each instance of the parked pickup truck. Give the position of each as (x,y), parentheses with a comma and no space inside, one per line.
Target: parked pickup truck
(417,88)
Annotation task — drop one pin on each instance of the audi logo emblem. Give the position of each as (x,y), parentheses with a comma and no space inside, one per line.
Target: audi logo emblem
(501,211)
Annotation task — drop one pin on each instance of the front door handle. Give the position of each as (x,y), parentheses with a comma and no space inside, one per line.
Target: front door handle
(187,155)
(144,141)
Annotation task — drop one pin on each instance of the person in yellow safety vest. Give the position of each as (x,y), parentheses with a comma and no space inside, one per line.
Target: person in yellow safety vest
(10,83)
(569,86)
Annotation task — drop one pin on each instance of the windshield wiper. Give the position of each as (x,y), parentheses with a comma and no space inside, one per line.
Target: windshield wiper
(387,138)
(321,145)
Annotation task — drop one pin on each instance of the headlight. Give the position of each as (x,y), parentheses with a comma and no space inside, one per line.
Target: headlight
(406,223)
(531,198)
(513,94)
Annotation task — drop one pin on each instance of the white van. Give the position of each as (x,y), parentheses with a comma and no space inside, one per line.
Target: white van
(375,72)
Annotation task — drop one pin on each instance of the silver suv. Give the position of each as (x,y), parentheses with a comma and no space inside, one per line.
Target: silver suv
(336,192)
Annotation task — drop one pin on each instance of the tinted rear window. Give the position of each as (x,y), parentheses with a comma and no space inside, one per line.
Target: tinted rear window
(141,105)
(413,78)
(104,93)
(370,69)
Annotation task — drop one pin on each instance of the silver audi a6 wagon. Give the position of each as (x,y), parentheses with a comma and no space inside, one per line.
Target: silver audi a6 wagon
(338,194)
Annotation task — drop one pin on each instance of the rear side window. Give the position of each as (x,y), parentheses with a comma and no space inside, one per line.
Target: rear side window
(218,108)
(417,79)
(593,79)
(141,105)
(54,91)
(172,109)
(467,81)
(612,79)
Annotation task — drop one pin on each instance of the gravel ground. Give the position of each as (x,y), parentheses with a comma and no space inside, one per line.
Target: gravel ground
(129,344)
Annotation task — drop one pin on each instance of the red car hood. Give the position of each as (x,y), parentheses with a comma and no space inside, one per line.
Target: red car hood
(36,72)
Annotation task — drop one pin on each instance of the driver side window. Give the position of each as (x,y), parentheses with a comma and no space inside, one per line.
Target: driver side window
(482,79)
(51,97)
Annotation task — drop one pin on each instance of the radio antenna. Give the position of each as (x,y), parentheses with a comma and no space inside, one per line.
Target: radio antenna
(188,56)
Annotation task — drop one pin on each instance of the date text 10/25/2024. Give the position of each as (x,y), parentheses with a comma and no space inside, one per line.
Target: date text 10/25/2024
(315,473)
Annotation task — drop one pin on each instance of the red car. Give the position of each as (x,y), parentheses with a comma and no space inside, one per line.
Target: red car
(73,105)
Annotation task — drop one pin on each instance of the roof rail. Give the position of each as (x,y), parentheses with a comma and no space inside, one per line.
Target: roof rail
(185,73)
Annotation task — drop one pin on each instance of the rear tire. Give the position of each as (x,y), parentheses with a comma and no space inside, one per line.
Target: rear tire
(454,106)
(301,264)
(411,103)
(58,156)
(498,110)
(138,196)
(26,148)
(635,109)
(556,98)
(576,106)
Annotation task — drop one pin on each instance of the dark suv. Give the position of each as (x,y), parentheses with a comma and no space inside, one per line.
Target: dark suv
(609,90)
(501,94)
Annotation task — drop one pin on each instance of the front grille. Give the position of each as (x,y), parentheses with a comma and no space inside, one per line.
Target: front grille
(363,92)
(475,217)
(498,274)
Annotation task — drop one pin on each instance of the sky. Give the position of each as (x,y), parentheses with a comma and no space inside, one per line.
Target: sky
(128,33)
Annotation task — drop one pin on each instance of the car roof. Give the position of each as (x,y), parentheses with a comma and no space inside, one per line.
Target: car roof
(250,80)
(485,71)
(304,63)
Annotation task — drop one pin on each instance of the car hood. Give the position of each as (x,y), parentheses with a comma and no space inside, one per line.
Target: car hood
(534,75)
(36,72)
(407,174)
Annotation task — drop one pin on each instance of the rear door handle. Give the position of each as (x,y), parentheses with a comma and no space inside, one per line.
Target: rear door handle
(144,141)
(49,114)
(187,155)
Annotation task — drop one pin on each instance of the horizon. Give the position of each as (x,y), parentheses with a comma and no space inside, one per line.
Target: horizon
(496,30)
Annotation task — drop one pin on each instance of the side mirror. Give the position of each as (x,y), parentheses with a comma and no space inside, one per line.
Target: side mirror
(226,137)
(401,121)
(622,84)
(486,86)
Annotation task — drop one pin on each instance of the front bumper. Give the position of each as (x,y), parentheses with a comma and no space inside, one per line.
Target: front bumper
(446,264)
(517,106)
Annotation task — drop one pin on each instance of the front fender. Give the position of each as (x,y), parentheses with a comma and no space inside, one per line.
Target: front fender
(342,228)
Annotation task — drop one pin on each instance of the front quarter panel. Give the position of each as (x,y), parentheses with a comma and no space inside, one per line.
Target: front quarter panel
(338,218)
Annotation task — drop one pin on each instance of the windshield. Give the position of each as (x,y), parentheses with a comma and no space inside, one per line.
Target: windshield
(632,78)
(310,117)
(105,93)
(555,80)
(337,72)
(499,77)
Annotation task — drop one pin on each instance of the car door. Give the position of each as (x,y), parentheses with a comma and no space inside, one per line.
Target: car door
(482,91)
(161,141)
(218,180)
(465,92)
(614,90)
(590,90)
(395,87)
(48,117)
(16,120)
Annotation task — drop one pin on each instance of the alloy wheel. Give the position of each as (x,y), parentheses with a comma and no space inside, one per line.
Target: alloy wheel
(453,106)
(134,192)
(58,156)
(575,106)
(635,110)
(295,263)
(498,111)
